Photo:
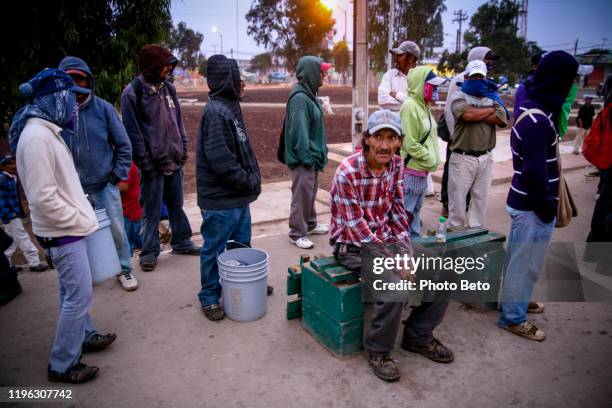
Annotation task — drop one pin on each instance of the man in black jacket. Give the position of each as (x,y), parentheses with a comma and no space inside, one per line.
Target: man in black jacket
(227,174)
(152,117)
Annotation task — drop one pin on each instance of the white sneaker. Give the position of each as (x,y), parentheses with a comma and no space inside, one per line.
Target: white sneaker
(319,229)
(303,243)
(128,281)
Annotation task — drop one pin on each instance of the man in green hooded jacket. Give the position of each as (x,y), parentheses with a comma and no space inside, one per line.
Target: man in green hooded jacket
(305,149)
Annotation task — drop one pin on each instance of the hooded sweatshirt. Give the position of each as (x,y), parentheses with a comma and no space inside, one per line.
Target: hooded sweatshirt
(155,126)
(535,184)
(227,173)
(417,120)
(101,149)
(305,141)
(476,53)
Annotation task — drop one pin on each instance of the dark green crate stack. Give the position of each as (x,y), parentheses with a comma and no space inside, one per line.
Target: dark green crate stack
(330,300)
(327,296)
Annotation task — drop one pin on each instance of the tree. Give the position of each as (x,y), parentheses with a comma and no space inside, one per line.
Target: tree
(202,65)
(261,63)
(452,62)
(341,59)
(495,25)
(415,20)
(186,43)
(290,28)
(106,34)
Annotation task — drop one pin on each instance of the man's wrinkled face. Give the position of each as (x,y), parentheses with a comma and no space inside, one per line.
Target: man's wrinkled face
(404,62)
(488,61)
(382,145)
(474,77)
(322,78)
(165,72)
(83,82)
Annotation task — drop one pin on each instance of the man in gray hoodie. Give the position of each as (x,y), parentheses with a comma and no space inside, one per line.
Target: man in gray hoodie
(102,154)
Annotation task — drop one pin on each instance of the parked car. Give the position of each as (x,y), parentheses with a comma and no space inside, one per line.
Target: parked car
(277,77)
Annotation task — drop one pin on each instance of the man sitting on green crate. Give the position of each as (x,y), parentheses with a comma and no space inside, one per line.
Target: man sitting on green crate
(367,207)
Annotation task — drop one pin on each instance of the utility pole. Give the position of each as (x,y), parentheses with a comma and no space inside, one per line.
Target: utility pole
(232,53)
(391,30)
(359,114)
(460,17)
(576,47)
(236,27)
(522,17)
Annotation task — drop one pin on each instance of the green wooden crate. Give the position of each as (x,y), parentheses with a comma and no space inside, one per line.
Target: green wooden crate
(342,339)
(341,301)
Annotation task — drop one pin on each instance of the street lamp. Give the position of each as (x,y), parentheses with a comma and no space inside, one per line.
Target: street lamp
(330,4)
(216,30)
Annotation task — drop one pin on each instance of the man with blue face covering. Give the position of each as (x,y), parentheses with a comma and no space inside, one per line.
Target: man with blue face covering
(61,214)
(477,109)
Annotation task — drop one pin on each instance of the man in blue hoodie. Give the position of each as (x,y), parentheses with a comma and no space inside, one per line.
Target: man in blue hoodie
(152,117)
(227,175)
(102,154)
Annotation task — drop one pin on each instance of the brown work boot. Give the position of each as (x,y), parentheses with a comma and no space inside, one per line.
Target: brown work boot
(526,329)
(434,351)
(78,373)
(383,366)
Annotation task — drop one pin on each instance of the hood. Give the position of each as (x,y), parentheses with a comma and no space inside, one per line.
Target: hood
(76,63)
(416,81)
(152,59)
(309,74)
(552,80)
(478,53)
(223,78)
(607,90)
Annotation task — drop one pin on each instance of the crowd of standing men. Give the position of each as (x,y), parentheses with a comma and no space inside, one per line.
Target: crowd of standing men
(75,153)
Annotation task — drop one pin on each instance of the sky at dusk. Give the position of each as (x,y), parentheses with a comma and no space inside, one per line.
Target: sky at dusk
(554,24)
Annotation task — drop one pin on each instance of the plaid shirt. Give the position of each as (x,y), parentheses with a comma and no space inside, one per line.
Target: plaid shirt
(368,208)
(10,207)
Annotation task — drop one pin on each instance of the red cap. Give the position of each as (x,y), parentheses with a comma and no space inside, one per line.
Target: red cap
(325,66)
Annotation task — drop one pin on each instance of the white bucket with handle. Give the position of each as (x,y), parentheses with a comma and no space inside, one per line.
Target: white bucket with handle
(101,251)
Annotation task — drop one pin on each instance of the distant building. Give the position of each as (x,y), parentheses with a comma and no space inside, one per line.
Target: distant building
(601,60)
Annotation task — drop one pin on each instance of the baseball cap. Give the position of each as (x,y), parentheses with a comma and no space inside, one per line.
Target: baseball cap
(48,81)
(434,79)
(476,67)
(382,119)
(407,47)
(325,66)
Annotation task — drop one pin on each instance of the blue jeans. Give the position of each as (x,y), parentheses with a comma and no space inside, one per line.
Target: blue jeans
(413,204)
(219,226)
(74,325)
(170,190)
(109,198)
(132,230)
(527,244)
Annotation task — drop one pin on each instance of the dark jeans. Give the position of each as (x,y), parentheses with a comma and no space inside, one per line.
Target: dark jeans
(134,235)
(601,224)
(170,190)
(384,318)
(218,227)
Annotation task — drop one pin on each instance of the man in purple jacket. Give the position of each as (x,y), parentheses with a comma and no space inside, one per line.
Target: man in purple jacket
(152,117)
(534,192)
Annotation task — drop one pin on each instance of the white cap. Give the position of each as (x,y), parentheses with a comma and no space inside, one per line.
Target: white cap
(476,67)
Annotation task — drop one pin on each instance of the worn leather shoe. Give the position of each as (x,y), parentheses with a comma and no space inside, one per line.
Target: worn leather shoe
(383,366)
(78,373)
(193,251)
(213,312)
(98,342)
(434,351)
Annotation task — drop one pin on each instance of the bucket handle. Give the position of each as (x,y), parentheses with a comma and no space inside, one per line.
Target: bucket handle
(231,241)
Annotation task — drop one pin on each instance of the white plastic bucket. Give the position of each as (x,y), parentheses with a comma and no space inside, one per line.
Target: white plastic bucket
(101,251)
(244,287)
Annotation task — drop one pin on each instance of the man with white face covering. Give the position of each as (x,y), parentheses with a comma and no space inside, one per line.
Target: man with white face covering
(61,214)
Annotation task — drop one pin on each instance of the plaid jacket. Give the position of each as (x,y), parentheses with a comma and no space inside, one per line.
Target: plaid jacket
(10,207)
(367,208)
